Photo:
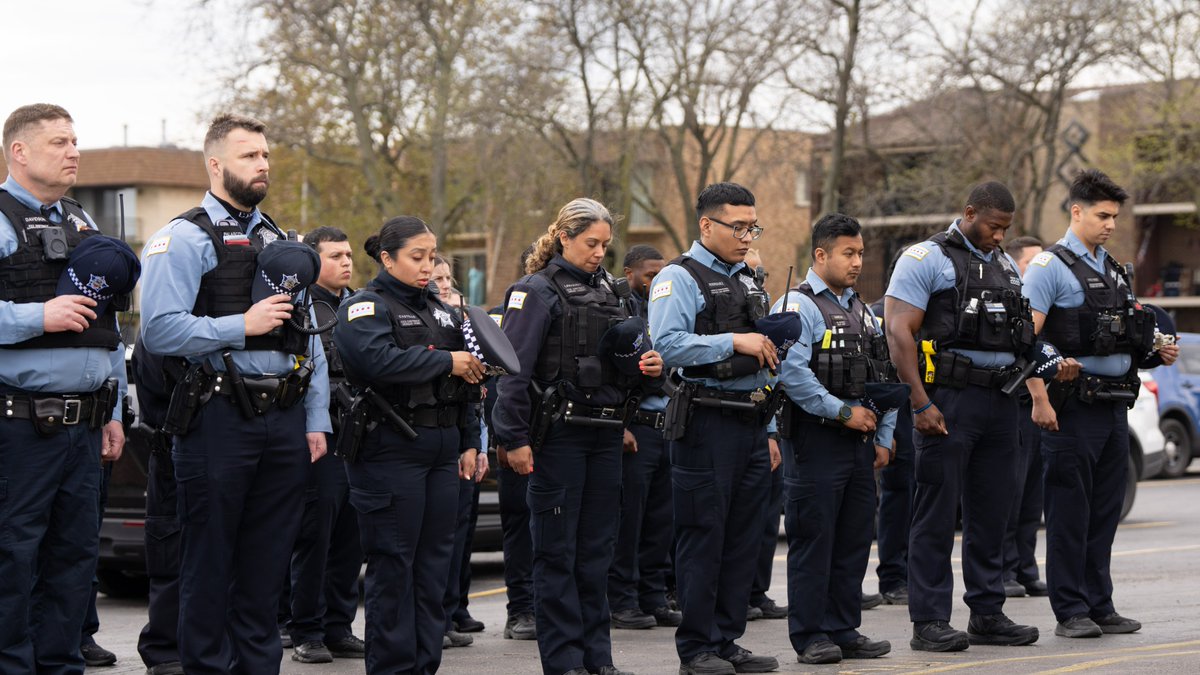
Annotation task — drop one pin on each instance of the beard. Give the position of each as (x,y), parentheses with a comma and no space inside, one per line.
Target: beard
(244,193)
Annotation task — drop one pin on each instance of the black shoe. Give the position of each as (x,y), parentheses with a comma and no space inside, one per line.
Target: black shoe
(937,636)
(1078,627)
(673,600)
(1036,588)
(577,671)
(348,647)
(744,661)
(95,655)
(998,629)
(468,624)
(770,610)
(285,638)
(632,619)
(821,651)
(864,647)
(170,668)
(665,616)
(753,613)
(312,652)
(520,627)
(898,596)
(1013,589)
(872,600)
(1115,623)
(453,638)
(707,664)
(611,670)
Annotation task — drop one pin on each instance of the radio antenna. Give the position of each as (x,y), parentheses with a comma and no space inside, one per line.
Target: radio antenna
(787,290)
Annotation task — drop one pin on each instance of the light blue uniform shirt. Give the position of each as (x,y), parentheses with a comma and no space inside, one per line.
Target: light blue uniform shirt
(70,370)
(172,263)
(798,380)
(924,270)
(1050,283)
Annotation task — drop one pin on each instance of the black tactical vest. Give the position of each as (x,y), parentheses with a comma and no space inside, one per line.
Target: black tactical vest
(731,305)
(1110,321)
(436,326)
(571,351)
(984,310)
(326,312)
(225,289)
(857,351)
(26,276)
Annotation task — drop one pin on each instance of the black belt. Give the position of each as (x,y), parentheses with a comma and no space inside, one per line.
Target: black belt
(742,401)
(55,409)
(654,420)
(262,390)
(988,377)
(431,417)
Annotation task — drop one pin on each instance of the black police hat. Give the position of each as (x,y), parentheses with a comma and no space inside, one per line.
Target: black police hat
(1048,359)
(783,328)
(488,343)
(1163,321)
(286,267)
(625,343)
(101,268)
(883,397)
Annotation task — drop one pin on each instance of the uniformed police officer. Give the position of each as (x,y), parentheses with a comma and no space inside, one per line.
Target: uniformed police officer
(961,297)
(60,365)
(243,442)
(637,585)
(833,444)
(702,306)
(1083,303)
(570,403)
(403,350)
(327,557)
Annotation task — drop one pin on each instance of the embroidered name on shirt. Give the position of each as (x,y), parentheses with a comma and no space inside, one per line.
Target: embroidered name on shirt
(408,321)
(359,310)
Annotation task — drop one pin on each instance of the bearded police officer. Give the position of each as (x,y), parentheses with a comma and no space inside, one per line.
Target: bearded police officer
(1083,302)
(702,308)
(61,365)
(250,411)
(960,296)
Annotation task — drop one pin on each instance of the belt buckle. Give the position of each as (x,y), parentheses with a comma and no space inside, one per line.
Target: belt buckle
(72,411)
(608,413)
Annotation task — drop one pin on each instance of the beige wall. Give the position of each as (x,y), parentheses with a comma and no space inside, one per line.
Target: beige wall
(157,206)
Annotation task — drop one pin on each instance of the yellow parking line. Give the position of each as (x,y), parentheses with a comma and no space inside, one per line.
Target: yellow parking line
(1148,651)
(1168,483)
(1165,549)
(1148,524)
(487,593)
(1089,665)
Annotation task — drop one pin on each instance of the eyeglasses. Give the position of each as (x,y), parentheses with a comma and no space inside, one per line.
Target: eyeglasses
(740,231)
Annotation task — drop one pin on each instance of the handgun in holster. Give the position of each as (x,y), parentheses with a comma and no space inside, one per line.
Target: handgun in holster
(190,393)
(388,414)
(295,385)
(106,400)
(353,423)
(679,412)
(547,408)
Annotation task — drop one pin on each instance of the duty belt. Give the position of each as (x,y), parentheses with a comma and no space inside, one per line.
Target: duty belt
(988,377)
(448,416)
(750,401)
(654,420)
(612,417)
(57,409)
(1090,388)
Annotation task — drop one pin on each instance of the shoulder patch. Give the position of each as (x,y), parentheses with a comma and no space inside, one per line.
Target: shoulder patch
(498,318)
(1042,259)
(516,299)
(159,245)
(792,307)
(661,290)
(917,251)
(359,310)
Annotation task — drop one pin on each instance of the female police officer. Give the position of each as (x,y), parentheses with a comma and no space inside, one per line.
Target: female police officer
(402,350)
(555,318)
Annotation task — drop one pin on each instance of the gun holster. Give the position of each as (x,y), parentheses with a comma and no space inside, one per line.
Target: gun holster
(354,424)
(679,412)
(548,406)
(191,392)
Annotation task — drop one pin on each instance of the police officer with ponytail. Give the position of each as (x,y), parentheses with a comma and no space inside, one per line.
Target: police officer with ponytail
(409,435)
(563,419)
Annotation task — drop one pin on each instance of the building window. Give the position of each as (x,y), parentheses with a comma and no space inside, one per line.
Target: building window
(104,205)
(470,274)
(641,186)
(801,188)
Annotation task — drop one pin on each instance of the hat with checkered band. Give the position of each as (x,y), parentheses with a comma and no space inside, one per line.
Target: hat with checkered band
(284,267)
(486,342)
(625,343)
(884,397)
(100,268)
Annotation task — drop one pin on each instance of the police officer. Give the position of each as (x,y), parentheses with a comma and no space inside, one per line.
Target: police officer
(62,373)
(556,317)
(1021,575)
(414,421)
(327,556)
(243,441)
(1083,303)
(702,306)
(961,297)
(637,587)
(833,444)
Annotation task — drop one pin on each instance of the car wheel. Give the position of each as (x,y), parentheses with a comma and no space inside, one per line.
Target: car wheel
(1131,482)
(117,584)
(1178,448)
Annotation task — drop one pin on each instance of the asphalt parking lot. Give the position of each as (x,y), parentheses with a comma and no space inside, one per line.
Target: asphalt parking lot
(1155,558)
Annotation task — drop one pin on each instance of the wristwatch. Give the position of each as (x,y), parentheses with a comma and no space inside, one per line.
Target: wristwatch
(844,413)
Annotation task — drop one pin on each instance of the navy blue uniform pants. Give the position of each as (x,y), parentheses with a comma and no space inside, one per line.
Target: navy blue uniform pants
(1086,464)
(49,538)
(91,623)
(158,642)
(720,473)
(828,514)
(770,541)
(513,491)
(406,494)
(896,488)
(467,534)
(241,491)
(574,502)
(637,578)
(327,557)
(1020,542)
(458,580)
(971,466)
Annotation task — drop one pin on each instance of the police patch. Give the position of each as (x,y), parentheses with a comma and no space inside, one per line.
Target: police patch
(159,245)
(516,300)
(917,251)
(660,290)
(498,318)
(359,310)
(1042,259)
(792,307)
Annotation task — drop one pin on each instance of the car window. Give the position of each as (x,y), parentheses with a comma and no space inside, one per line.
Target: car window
(1189,361)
